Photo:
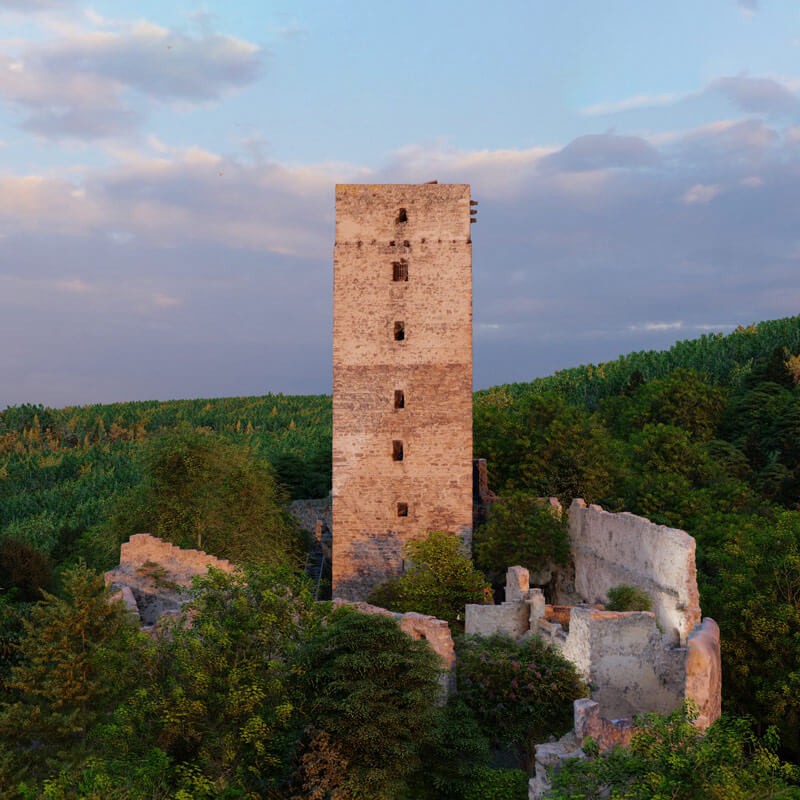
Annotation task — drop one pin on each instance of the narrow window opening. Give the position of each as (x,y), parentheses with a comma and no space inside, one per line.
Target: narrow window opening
(399,331)
(402,509)
(400,270)
(397,450)
(402,216)
(399,398)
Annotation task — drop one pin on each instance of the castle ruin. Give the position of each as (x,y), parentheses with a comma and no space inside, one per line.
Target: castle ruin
(402,375)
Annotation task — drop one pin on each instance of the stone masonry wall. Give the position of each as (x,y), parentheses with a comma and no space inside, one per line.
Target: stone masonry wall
(158,574)
(611,549)
(431,366)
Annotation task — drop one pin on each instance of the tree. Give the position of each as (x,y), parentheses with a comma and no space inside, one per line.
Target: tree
(372,691)
(440,580)
(223,689)
(668,759)
(202,492)
(78,657)
(755,596)
(521,530)
(540,444)
(520,691)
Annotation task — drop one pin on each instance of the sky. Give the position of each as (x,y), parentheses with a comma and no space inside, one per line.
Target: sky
(167,173)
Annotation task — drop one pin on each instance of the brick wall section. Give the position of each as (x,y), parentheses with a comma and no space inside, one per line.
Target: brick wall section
(432,366)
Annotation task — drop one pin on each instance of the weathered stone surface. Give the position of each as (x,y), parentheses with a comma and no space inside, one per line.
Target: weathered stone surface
(607,733)
(510,618)
(517,584)
(612,549)
(431,366)
(622,656)
(158,575)
(704,672)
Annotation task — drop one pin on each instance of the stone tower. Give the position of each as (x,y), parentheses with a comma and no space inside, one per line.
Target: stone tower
(402,375)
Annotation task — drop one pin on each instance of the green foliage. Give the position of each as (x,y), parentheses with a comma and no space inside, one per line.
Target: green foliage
(77,657)
(454,754)
(521,530)
(726,359)
(755,598)
(542,445)
(222,689)
(202,492)
(628,598)
(24,569)
(498,784)
(372,690)
(681,399)
(440,580)
(669,760)
(521,692)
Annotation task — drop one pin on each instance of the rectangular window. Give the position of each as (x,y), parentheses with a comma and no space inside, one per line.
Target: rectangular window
(397,450)
(400,270)
(399,331)
(399,398)
(402,509)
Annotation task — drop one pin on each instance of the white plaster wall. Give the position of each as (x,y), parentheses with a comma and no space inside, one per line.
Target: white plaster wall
(611,549)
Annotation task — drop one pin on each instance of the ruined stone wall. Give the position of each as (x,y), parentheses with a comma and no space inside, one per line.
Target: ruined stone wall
(156,575)
(380,502)
(622,656)
(611,549)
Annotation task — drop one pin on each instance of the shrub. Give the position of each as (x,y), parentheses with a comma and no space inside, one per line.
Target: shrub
(628,598)
(372,692)
(440,581)
(25,568)
(521,692)
(523,530)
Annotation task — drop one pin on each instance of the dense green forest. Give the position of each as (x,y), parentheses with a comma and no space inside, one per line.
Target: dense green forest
(704,436)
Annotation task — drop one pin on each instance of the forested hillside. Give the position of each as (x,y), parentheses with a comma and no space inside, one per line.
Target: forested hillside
(704,436)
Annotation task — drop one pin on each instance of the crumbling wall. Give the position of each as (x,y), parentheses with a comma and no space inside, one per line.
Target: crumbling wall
(611,549)
(157,575)
(622,656)
(704,672)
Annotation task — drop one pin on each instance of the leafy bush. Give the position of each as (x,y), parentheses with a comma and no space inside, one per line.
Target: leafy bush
(669,760)
(521,530)
(440,581)
(628,598)
(202,492)
(521,692)
(372,690)
(25,568)
(498,784)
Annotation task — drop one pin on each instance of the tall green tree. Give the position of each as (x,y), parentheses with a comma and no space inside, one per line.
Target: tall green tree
(372,691)
(223,690)
(202,492)
(78,657)
(540,444)
(521,530)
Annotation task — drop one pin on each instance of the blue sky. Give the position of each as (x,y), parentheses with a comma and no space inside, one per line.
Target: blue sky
(167,173)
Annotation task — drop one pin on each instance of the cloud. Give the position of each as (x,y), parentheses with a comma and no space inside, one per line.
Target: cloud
(90,84)
(757,95)
(748,7)
(225,271)
(636,102)
(603,151)
(33,5)
(700,194)
(657,326)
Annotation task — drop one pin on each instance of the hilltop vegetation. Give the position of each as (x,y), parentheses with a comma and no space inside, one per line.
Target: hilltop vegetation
(704,436)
